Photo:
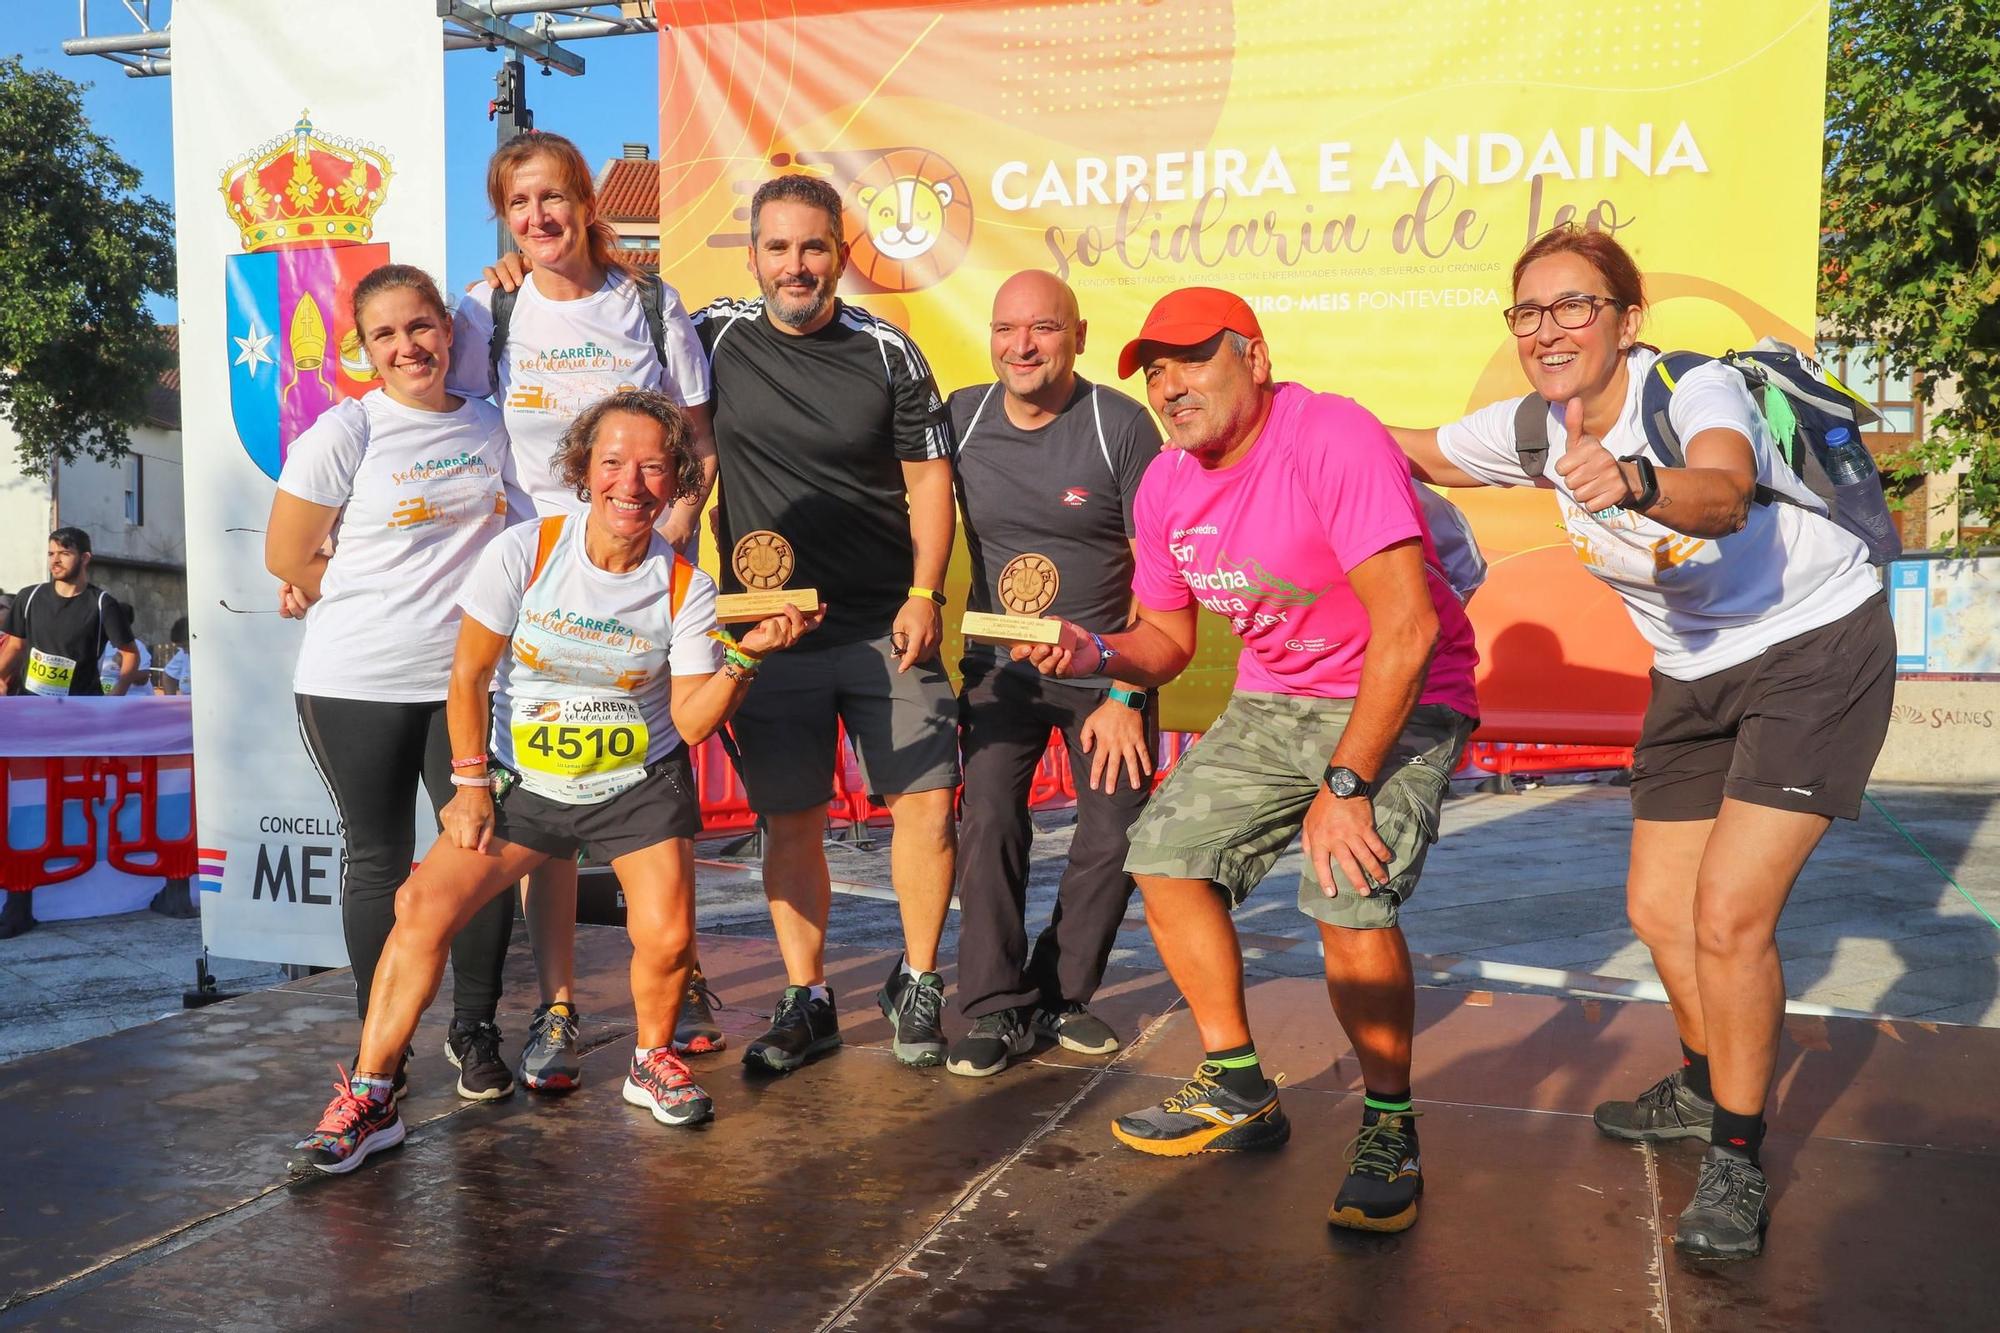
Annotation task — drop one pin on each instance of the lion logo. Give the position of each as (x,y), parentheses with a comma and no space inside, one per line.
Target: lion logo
(915,221)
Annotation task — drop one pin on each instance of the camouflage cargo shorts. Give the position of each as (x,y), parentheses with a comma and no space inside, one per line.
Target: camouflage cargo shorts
(1237,799)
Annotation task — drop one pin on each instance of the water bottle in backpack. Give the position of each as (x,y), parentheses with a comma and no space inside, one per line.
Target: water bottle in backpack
(1857,497)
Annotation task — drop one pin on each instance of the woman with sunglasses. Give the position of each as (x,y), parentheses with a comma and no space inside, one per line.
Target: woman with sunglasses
(1774,669)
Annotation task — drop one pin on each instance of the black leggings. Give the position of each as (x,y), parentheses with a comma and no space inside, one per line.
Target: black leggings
(370,755)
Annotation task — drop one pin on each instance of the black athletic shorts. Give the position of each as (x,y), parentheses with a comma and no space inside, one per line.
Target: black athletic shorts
(1795,728)
(660,806)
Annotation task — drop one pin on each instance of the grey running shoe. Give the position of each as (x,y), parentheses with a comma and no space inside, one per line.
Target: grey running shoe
(663,1085)
(1385,1175)
(1075,1028)
(993,1041)
(1205,1116)
(801,1028)
(474,1051)
(1726,1218)
(1667,1110)
(696,1032)
(549,1062)
(914,1006)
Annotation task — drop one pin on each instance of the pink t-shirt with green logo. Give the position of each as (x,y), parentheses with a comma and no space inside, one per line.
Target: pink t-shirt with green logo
(1268,541)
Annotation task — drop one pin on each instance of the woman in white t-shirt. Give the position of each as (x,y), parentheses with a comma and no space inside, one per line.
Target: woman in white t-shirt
(606,657)
(1774,669)
(412,482)
(578,331)
(177,677)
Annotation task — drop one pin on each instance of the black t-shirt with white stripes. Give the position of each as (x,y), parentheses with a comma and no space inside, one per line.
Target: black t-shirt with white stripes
(811,433)
(1063,491)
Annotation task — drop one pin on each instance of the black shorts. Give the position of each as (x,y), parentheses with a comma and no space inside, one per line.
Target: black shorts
(1795,728)
(659,807)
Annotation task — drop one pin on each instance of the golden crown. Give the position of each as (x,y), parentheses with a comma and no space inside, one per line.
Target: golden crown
(306,188)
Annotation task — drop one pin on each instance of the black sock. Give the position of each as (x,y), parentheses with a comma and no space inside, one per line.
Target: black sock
(1375,1105)
(1241,1072)
(1738,1133)
(1694,1073)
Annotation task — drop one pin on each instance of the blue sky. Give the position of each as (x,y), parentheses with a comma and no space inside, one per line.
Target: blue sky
(613,102)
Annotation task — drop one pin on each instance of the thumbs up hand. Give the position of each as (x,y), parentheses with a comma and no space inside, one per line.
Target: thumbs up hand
(1596,480)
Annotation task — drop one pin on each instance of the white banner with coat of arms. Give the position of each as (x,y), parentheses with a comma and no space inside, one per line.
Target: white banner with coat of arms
(308,145)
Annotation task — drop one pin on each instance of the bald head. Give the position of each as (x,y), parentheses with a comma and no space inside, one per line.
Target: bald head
(1037,334)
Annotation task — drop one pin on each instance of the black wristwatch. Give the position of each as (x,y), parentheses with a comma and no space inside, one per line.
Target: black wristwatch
(1346,783)
(1649,483)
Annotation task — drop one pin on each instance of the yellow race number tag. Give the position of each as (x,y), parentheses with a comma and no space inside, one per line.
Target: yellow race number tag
(579,750)
(48,673)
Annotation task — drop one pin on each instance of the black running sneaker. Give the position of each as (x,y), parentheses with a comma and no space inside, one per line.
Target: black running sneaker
(1385,1177)
(993,1041)
(1075,1028)
(914,1006)
(1205,1116)
(1667,1110)
(696,1033)
(801,1028)
(353,1126)
(474,1051)
(1726,1217)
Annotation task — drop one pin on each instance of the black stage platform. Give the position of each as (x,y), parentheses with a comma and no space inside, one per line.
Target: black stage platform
(141,1181)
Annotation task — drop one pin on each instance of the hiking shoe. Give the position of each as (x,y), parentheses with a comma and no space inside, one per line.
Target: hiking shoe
(1384,1175)
(914,1006)
(474,1051)
(993,1041)
(1667,1110)
(801,1028)
(1726,1218)
(696,1032)
(353,1126)
(1075,1028)
(663,1085)
(1205,1116)
(549,1062)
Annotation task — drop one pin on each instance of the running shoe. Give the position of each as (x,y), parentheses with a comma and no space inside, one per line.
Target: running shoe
(1726,1218)
(993,1041)
(1667,1110)
(1385,1176)
(474,1051)
(1075,1028)
(914,1006)
(663,1085)
(1205,1116)
(801,1028)
(354,1125)
(696,1032)
(549,1062)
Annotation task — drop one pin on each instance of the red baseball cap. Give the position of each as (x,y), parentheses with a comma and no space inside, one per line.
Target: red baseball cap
(1189,317)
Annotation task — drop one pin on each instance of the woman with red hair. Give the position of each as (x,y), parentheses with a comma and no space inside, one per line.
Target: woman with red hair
(1774,669)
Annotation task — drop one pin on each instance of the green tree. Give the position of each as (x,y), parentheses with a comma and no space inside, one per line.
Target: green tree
(80,250)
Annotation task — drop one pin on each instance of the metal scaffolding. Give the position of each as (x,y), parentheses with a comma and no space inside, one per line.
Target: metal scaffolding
(463,25)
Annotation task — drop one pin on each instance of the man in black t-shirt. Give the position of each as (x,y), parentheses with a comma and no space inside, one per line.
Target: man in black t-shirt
(56,631)
(830,433)
(1047,467)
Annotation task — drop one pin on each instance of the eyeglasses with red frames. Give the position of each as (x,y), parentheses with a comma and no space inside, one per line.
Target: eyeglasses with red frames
(1571,312)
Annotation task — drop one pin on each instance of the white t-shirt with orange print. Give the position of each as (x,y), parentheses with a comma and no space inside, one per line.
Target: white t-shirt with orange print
(420,494)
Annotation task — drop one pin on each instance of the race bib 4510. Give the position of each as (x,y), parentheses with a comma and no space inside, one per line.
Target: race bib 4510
(579,751)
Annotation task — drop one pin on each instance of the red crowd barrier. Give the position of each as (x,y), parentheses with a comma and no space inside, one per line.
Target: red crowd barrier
(29,860)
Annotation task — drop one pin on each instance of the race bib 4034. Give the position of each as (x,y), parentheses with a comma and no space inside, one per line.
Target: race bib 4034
(48,673)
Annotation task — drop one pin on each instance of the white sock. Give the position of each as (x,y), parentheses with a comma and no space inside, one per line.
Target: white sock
(909,971)
(644,1053)
(820,992)
(375,1089)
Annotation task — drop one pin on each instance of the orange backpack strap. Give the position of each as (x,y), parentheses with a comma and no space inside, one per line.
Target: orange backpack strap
(683,579)
(545,543)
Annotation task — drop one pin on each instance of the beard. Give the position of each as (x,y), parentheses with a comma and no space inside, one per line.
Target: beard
(797,311)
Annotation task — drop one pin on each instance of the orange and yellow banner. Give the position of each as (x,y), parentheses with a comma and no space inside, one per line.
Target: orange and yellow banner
(1363,174)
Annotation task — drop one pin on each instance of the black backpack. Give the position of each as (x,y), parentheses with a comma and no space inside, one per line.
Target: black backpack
(652,300)
(1802,404)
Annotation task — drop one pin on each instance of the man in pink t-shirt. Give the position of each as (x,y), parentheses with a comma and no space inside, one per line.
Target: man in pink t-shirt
(1292,514)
